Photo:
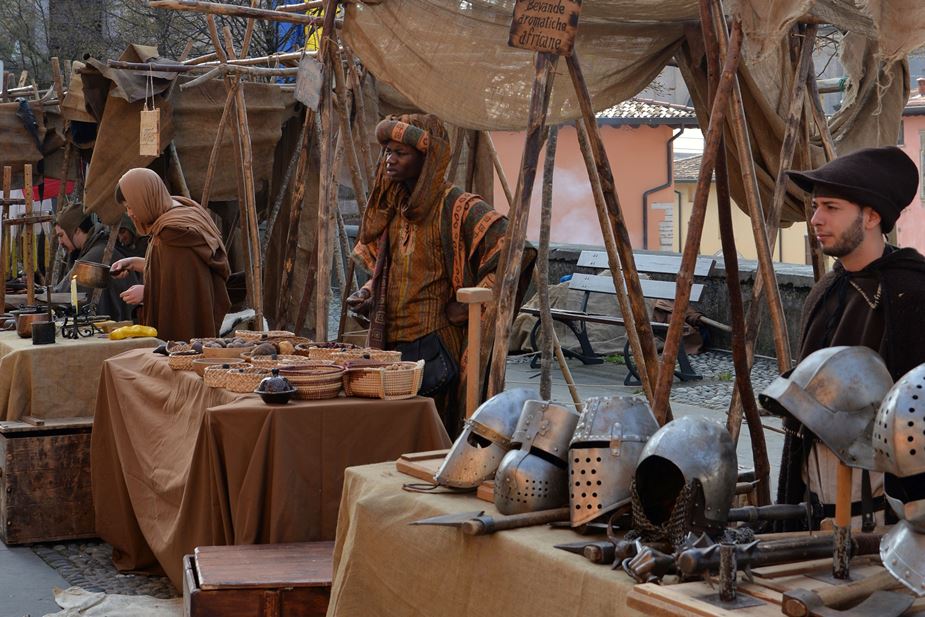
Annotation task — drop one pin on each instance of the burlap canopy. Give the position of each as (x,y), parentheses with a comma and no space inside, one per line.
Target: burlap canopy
(452,59)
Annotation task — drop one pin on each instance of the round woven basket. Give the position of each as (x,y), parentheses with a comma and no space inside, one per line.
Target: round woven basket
(315,382)
(225,352)
(255,335)
(363,353)
(244,379)
(214,376)
(277,360)
(182,360)
(398,380)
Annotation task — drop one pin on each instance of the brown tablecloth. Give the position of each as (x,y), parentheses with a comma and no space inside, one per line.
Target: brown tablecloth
(176,464)
(54,381)
(385,567)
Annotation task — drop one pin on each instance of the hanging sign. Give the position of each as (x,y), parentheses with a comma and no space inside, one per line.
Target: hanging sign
(149,137)
(545,25)
(309,82)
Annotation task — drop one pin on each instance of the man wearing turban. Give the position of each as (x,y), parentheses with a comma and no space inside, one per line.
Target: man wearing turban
(423,239)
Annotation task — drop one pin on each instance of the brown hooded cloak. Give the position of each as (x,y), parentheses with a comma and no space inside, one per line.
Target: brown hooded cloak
(185,265)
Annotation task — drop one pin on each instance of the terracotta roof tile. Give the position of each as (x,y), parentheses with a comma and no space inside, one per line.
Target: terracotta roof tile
(639,111)
(687,169)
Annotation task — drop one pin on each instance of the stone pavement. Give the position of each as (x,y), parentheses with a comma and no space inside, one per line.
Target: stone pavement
(27,575)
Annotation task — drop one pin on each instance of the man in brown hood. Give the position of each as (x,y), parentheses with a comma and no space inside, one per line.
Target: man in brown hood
(85,240)
(874,296)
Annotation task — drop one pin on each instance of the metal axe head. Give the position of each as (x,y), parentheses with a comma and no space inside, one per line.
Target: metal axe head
(449,520)
(879,603)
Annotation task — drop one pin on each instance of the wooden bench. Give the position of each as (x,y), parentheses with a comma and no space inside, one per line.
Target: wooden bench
(576,321)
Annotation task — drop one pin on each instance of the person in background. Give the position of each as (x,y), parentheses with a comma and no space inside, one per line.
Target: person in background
(186,266)
(86,241)
(131,243)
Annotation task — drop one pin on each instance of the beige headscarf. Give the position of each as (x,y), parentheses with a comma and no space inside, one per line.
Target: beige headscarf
(155,208)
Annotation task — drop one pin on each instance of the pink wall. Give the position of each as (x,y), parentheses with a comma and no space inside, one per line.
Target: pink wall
(910,229)
(637,157)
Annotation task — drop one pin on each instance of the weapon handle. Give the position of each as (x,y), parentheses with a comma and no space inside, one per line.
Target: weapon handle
(489,524)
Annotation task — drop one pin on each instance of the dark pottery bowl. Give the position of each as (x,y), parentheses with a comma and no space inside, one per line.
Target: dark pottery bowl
(276,398)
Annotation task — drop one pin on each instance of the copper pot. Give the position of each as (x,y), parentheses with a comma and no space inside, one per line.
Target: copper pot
(25,318)
(91,274)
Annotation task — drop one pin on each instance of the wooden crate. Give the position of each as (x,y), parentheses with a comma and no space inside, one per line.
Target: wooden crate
(45,480)
(262,580)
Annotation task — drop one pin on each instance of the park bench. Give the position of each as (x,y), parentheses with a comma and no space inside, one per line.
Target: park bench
(647,263)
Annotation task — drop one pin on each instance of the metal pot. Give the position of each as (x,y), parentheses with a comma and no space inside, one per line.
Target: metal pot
(25,318)
(91,274)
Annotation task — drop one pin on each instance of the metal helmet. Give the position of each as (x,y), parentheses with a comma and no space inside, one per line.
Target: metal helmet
(611,433)
(485,439)
(528,482)
(902,551)
(547,427)
(686,452)
(534,477)
(899,427)
(835,392)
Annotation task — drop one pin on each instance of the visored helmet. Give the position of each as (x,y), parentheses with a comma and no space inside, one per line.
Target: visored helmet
(534,477)
(835,392)
(602,456)
(485,439)
(688,453)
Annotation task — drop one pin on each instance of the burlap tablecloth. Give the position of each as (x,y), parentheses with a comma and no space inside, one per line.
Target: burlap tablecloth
(54,381)
(176,464)
(385,567)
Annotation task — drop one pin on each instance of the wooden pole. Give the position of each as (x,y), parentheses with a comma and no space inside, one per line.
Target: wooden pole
(231,10)
(825,135)
(641,338)
(475,297)
(817,259)
(498,169)
(206,70)
(327,192)
(512,254)
(343,111)
(360,105)
(295,214)
(175,172)
(7,234)
(685,276)
(730,258)
(542,266)
(28,238)
(216,147)
(281,192)
(756,214)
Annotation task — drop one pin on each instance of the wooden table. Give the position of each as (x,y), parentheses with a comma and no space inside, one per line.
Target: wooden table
(178,465)
(385,567)
(58,380)
(700,599)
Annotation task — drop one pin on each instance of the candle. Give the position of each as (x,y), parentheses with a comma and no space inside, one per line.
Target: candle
(74,292)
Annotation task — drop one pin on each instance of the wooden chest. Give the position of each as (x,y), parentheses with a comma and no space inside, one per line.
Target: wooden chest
(45,480)
(262,580)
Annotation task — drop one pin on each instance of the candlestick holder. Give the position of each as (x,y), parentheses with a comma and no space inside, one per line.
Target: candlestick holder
(79,323)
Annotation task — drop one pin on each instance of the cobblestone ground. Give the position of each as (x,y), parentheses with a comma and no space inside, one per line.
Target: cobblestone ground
(89,564)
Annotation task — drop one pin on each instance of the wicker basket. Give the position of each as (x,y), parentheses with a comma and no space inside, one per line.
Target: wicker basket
(225,352)
(182,360)
(178,346)
(395,381)
(363,353)
(255,335)
(214,376)
(277,360)
(318,353)
(316,382)
(244,379)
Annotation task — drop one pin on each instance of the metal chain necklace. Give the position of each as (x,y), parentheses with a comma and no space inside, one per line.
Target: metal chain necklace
(873,304)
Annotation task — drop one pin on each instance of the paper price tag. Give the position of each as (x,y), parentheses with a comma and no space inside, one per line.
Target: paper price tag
(149,137)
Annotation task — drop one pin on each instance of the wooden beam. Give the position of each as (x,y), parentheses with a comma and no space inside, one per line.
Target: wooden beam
(542,266)
(5,238)
(28,255)
(512,254)
(231,10)
(622,263)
